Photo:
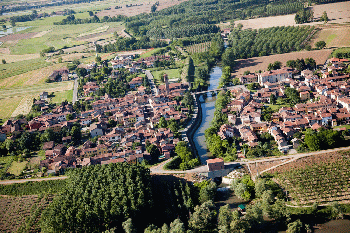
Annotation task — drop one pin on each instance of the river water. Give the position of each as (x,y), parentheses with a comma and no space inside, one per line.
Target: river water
(208,108)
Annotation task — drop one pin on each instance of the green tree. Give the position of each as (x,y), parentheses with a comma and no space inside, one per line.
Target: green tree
(203,218)
(228,58)
(98,59)
(3,61)
(320,44)
(162,123)
(272,99)
(154,153)
(324,17)
(76,134)
(177,226)
(208,192)
(224,219)
(128,226)
(295,227)
(190,71)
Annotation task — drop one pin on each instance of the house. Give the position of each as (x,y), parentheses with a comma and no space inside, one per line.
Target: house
(215,164)
(250,78)
(304,95)
(43,95)
(274,76)
(96,130)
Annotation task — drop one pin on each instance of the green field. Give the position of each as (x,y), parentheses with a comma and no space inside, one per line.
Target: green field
(58,36)
(5,163)
(20,98)
(17,167)
(59,97)
(150,53)
(330,39)
(276,107)
(16,68)
(172,74)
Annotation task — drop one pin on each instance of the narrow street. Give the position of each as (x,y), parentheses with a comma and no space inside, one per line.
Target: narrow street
(75,91)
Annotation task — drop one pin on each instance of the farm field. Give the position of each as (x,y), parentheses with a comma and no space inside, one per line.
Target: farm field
(135,10)
(14,101)
(320,178)
(198,48)
(261,63)
(37,76)
(20,67)
(5,163)
(334,36)
(337,13)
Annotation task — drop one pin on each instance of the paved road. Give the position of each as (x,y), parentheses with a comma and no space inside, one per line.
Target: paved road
(75,90)
(27,180)
(203,168)
(151,82)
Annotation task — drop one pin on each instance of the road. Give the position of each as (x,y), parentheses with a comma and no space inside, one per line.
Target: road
(27,180)
(75,91)
(203,168)
(151,82)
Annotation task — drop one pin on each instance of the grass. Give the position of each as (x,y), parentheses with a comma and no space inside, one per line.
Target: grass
(16,68)
(59,97)
(8,106)
(11,98)
(276,107)
(172,73)
(342,126)
(17,167)
(330,39)
(58,36)
(150,53)
(5,162)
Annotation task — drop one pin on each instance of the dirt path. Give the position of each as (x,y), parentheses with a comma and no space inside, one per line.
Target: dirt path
(4,182)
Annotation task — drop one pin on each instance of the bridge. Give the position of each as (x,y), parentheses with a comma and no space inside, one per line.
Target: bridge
(220,89)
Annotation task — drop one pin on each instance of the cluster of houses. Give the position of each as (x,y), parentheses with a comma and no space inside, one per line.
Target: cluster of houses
(134,66)
(326,104)
(135,118)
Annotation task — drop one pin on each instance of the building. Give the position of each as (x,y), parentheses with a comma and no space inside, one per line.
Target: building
(215,164)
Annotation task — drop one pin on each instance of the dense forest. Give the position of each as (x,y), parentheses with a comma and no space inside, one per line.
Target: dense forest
(109,197)
(198,17)
(263,42)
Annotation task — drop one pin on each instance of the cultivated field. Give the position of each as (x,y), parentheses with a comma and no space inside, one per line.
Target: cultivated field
(15,210)
(261,63)
(139,9)
(34,74)
(198,48)
(14,101)
(337,13)
(334,36)
(320,178)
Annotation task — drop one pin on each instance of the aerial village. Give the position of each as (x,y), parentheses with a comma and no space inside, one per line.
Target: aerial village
(120,129)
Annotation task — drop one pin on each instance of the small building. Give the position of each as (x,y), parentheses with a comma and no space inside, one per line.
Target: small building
(44,95)
(215,164)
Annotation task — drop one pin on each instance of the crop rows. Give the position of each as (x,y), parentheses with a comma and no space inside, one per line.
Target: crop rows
(198,48)
(316,179)
(17,68)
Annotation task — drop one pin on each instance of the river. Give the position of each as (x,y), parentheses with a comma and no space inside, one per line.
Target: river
(208,108)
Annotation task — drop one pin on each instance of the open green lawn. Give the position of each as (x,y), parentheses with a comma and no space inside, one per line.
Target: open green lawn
(150,53)
(330,38)
(61,96)
(16,68)
(17,167)
(172,74)
(5,163)
(342,126)
(276,107)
